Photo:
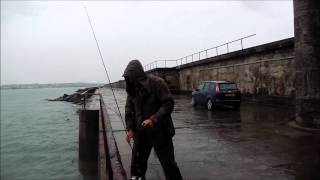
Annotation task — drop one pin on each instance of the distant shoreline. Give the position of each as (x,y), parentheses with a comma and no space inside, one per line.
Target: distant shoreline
(54,85)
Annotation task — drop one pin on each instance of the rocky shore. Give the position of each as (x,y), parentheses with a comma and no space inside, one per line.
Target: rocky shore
(75,97)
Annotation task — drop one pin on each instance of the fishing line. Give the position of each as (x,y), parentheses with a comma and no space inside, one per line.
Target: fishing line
(101,57)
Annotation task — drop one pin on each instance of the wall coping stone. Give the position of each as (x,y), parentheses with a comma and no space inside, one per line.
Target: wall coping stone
(289,42)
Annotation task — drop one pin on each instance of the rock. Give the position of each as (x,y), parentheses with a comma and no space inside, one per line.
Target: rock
(75,97)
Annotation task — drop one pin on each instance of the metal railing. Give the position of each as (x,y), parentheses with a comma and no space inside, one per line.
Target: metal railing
(160,63)
(204,54)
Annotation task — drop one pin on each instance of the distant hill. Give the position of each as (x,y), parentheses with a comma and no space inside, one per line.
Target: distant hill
(54,85)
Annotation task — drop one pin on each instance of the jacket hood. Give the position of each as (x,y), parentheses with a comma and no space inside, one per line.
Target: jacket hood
(134,71)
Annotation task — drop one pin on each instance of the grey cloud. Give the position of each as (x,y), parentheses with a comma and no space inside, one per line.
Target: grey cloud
(24,8)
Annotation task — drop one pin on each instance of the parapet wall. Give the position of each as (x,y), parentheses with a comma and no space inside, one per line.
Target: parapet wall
(265,71)
(170,75)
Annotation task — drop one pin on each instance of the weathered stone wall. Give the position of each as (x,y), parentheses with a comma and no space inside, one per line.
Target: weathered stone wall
(266,70)
(307,62)
(118,84)
(170,75)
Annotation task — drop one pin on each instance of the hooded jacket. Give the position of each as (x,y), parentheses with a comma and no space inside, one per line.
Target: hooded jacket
(151,100)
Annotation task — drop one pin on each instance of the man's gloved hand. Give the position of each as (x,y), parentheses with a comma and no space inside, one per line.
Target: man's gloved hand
(148,123)
(130,135)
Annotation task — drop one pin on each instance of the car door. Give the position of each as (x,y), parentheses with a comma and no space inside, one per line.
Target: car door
(196,94)
(209,89)
(203,93)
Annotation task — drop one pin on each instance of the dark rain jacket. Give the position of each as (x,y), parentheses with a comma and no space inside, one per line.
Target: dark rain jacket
(152,101)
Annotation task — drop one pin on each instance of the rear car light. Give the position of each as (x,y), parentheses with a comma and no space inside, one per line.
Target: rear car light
(217,88)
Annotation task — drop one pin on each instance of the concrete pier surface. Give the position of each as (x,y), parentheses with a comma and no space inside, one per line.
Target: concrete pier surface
(253,143)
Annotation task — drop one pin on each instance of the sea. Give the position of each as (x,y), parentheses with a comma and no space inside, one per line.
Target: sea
(39,138)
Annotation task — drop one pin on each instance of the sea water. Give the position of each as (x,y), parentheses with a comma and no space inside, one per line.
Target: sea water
(39,138)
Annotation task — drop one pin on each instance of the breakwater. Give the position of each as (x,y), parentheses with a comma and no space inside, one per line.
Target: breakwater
(76,97)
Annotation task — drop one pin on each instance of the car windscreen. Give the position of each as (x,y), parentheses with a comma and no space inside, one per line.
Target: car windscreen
(227,86)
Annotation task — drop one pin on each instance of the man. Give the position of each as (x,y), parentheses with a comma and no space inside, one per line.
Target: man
(148,121)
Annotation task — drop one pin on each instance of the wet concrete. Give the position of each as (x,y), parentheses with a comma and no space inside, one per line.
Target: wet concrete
(253,143)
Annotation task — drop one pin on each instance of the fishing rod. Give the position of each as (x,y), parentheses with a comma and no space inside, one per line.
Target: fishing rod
(105,69)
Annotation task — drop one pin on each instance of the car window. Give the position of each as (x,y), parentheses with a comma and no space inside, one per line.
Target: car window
(211,86)
(200,86)
(208,87)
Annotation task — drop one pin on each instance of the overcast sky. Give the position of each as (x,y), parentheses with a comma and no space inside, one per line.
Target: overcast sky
(51,42)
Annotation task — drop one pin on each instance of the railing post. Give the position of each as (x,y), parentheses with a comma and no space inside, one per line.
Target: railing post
(206,53)
(241,45)
(199,55)
(84,102)
(227,47)
(217,51)
(165,63)
(192,58)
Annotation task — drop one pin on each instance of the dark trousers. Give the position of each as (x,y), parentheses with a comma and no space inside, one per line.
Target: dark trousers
(144,140)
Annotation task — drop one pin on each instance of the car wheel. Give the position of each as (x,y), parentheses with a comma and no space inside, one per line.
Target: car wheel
(209,105)
(193,103)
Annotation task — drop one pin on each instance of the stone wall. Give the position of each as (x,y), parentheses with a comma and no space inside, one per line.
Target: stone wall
(307,62)
(266,70)
(118,84)
(170,75)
